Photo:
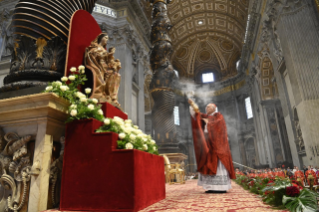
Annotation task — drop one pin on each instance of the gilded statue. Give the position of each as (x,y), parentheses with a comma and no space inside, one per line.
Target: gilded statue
(105,69)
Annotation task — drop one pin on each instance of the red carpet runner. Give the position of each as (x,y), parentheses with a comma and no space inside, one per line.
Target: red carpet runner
(190,197)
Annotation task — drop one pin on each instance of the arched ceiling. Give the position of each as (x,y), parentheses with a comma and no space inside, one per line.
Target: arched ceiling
(207,35)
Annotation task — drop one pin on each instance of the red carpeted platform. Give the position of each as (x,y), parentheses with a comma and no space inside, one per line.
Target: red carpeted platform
(98,177)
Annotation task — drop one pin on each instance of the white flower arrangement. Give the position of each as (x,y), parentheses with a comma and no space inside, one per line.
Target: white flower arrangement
(129,135)
(81,107)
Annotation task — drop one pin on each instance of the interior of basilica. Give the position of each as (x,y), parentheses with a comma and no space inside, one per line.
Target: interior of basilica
(256,60)
(259,59)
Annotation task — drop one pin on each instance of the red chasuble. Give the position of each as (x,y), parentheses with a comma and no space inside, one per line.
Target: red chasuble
(313,174)
(214,146)
(299,174)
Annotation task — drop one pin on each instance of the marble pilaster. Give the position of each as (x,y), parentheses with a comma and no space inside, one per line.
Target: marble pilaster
(41,115)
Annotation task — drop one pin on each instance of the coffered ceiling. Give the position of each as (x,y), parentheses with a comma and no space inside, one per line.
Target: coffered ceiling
(207,35)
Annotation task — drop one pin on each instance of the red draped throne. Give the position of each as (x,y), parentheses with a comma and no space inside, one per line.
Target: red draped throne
(96,175)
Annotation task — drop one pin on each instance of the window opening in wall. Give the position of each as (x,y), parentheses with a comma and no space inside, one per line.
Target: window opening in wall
(208,77)
(176,115)
(249,110)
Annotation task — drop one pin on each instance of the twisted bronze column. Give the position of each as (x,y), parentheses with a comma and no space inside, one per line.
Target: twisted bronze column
(164,79)
(40,31)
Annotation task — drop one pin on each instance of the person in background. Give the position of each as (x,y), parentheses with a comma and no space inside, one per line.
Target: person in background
(293,171)
(280,173)
(310,171)
(304,169)
(299,174)
(239,172)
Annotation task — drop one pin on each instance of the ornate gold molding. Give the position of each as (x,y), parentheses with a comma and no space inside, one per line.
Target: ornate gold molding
(228,89)
(161,89)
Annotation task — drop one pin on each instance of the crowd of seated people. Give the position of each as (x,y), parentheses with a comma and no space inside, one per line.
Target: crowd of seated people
(293,173)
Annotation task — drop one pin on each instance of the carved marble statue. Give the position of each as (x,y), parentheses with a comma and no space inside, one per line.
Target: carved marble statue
(105,70)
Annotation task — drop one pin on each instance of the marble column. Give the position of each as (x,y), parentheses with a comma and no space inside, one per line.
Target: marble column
(140,97)
(298,32)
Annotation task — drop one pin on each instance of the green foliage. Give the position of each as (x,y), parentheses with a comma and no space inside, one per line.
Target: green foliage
(274,193)
(305,202)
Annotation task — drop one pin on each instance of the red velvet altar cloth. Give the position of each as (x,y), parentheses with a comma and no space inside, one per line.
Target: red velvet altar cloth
(110,111)
(98,177)
(213,147)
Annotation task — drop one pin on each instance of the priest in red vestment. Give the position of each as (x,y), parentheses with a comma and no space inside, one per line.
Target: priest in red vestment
(312,172)
(299,174)
(239,172)
(213,156)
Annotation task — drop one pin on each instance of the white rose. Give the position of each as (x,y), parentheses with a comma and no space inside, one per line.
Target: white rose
(71,77)
(140,136)
(129,146)
(88,90)
(144,139)
(73,106)
(118,120)
(58,83)
(132,137)
(135,126)
(95,101)
(83,71)
(127,130)
(154,148)
(153,142)
(64,87)
(48,88)
(91,107)
(73,112)
(100,112)
(64,79)
(107,121)
(128,121)
(73,69)
(81,67)
(145,147)
(80,95)
(122,136)
(139,132)
(83,99)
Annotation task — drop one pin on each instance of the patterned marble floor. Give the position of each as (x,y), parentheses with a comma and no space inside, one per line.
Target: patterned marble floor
(190,197)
